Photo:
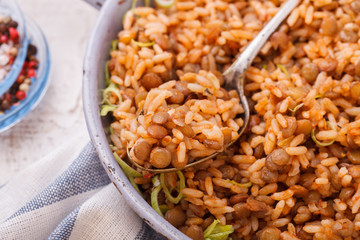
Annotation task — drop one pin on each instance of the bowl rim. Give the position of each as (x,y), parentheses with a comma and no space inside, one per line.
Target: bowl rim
(96,130)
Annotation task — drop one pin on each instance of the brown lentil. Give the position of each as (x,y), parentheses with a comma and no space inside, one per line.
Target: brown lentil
(348,36)
(329,26)
(187,130)
(150,80)
(160,117)
(176,217)
(303,126)
(142,150)
(269,176)
(279,40)
(195,232)
(310,72)
(177,97)
(227,171)
(354,156)
(160,157)
(157,131)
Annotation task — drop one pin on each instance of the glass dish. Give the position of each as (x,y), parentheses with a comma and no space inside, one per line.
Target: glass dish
(10,8)
(38,87)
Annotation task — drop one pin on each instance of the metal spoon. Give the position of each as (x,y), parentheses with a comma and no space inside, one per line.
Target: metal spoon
(235,76)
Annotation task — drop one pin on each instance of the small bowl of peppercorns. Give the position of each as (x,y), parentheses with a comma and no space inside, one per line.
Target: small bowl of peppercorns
(31,83)
(13,43)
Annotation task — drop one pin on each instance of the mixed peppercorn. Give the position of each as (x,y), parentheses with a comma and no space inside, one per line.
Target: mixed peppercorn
(9,44)
(19,89)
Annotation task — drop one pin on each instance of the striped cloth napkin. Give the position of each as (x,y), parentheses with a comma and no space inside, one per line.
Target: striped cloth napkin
(68,195)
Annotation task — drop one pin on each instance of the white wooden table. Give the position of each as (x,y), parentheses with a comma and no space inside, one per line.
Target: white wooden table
(67,25)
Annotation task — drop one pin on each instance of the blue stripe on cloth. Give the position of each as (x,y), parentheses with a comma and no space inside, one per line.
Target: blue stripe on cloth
(64,229)
(147,233)
(84,174)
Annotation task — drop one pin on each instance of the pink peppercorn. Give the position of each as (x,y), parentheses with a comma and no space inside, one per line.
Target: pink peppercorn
(20,95)
(14,34)
(32,64)
(31,73)
(4,39)
(11,59)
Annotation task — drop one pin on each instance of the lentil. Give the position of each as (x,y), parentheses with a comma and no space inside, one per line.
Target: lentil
(160,117)
(329,26)
(160,157)
(348,36)
(176,217)
(151,80)
(157,131)
(310,72)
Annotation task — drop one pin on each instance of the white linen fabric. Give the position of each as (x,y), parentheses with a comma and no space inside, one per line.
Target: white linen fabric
(68,195)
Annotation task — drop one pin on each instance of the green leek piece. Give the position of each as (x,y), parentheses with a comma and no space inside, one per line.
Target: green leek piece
(154,195)
(112,88)
(218,232)
(133,4)
(164,208)
(141,44)
(296,108)
(105,109)
(210,228)
(166,190)
(284,70)
(165,3)
(107,74)
(114,44)
(319,96)
(321,143)
(129,171)
(243,185)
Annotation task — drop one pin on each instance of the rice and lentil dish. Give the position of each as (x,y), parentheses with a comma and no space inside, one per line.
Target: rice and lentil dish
(295,173)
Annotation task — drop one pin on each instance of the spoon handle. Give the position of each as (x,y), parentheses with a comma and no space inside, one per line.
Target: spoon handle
(246,58)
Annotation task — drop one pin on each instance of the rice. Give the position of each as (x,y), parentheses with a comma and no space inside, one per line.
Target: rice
(278,196)
(209,186)
(296,150)
(189,192)
(294,174)
(215,203)
(278,209)
(243,159)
